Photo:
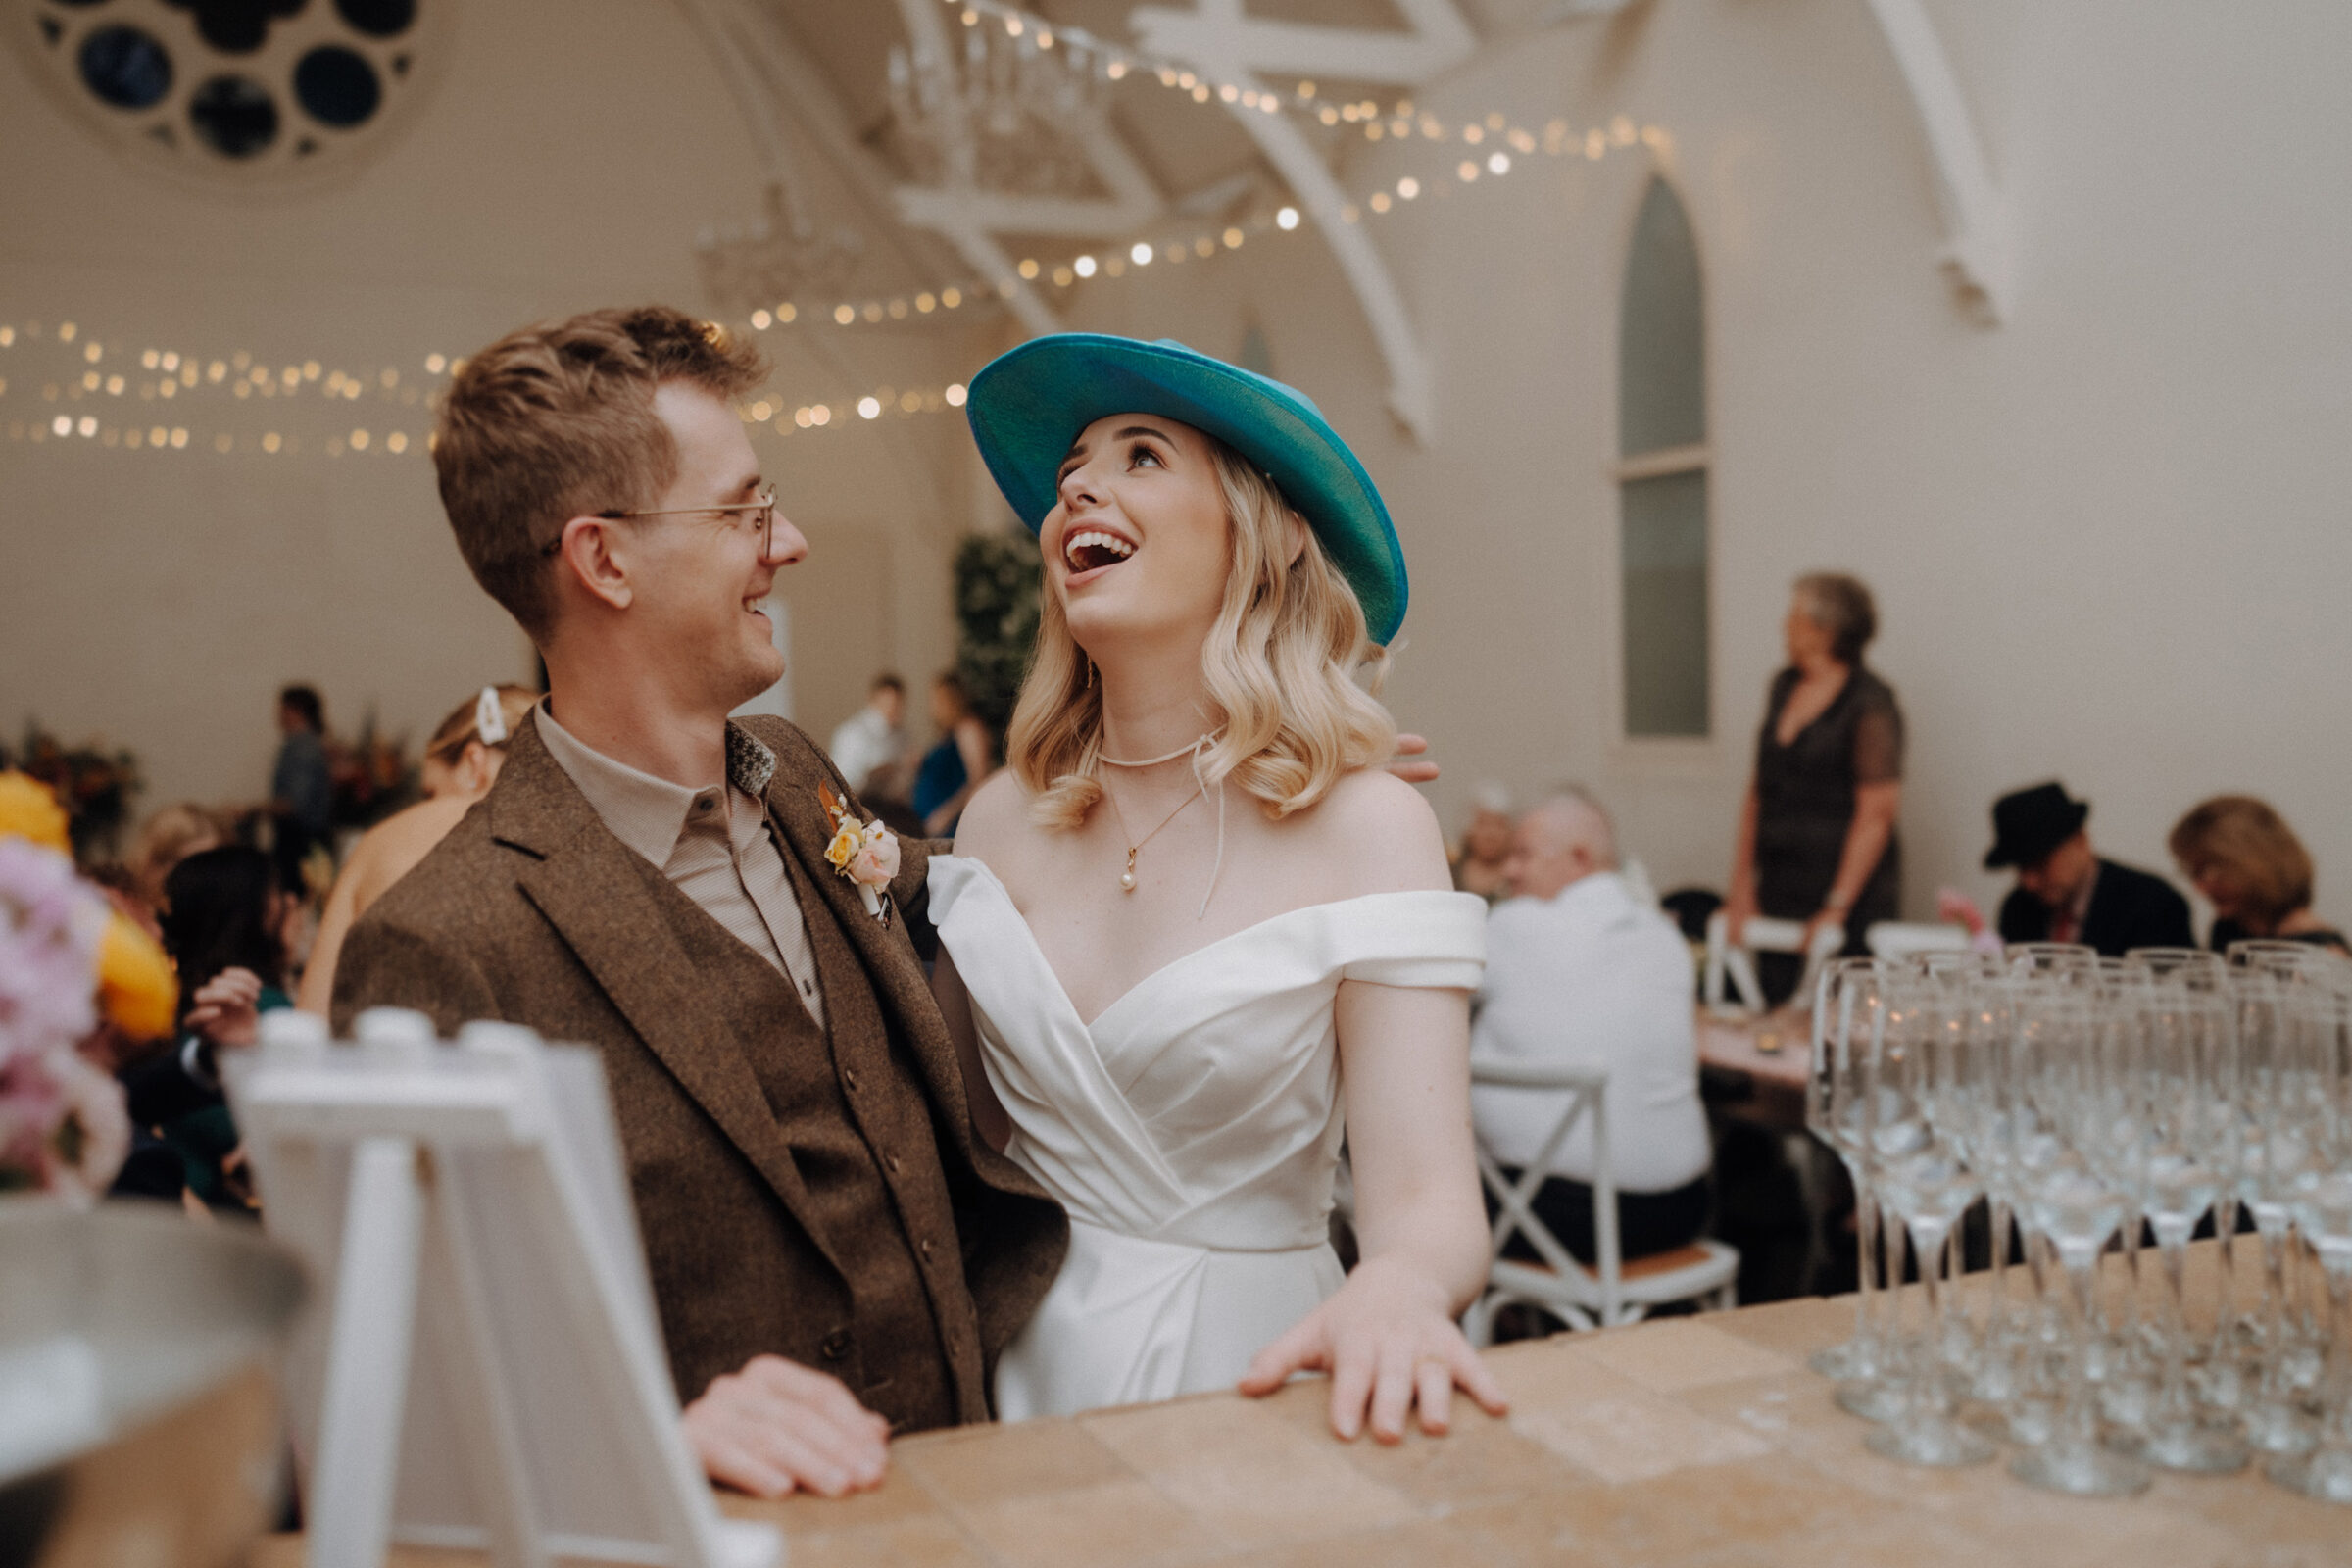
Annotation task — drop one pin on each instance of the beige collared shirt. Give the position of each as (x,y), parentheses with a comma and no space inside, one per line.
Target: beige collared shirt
(715,843)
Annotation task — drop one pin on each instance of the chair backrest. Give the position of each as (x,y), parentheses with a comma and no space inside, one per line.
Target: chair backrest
(1762,934)
(1899,939)
(1583,1090)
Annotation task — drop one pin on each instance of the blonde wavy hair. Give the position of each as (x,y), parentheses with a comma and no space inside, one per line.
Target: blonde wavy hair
(1279,664)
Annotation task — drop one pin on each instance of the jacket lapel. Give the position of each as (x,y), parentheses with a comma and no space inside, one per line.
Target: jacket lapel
(887,957)
(606,902)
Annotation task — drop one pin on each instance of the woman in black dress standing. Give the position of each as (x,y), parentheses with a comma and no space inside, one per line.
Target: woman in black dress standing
(1817,839)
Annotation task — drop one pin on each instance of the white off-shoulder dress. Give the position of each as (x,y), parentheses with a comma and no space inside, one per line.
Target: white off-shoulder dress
(1192,1131)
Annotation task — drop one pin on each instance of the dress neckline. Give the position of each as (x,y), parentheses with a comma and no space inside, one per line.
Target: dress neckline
(1772,726)
(1062,992)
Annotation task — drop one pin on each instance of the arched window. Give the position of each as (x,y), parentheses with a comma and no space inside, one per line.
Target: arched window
(1663,476)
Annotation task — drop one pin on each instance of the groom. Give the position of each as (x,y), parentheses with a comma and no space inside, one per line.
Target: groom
(834,1254)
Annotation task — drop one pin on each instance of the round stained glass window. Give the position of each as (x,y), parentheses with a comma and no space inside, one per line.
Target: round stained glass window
(246,91)
(378,18)
(125,66)
(235,116)
(336,86)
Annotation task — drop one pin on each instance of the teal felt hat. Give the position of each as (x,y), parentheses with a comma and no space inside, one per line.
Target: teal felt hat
(1028,405)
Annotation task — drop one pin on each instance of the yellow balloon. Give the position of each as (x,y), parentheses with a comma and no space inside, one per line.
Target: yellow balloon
(29,809)
(137,990)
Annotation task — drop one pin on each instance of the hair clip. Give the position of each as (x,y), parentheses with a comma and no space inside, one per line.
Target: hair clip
(490,717)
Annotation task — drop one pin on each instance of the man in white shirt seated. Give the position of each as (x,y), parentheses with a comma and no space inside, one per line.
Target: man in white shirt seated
(1581,972)
(869,747)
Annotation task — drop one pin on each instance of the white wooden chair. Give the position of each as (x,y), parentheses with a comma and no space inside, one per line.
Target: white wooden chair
(1736,961)
(1612,1292)
(1900,938)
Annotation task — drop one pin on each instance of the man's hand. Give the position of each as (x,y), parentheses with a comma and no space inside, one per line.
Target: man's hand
(778,1427)
(1412,772)
(225,1009)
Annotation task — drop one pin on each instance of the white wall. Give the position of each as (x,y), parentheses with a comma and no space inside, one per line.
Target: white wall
(567,159)
(2108,537)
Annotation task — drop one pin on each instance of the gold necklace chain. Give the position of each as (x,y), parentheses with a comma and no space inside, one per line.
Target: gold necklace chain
(1135,846)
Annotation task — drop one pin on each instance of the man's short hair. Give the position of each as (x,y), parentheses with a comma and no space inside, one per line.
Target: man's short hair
(305,704)
(557,420)
(1577,817)
(887,682)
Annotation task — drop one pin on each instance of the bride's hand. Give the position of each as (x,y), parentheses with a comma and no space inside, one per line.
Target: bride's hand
(1388,1342)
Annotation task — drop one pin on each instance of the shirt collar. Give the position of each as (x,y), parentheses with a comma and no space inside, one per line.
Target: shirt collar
(645,813)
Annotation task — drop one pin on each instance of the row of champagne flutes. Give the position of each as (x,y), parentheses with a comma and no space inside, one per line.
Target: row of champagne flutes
(2081,1099)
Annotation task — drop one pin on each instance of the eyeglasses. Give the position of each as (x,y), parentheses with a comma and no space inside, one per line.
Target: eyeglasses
(762,515)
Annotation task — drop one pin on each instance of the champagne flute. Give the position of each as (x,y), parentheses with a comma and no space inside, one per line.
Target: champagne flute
(2178,1062)
(1924,1177)
(2077,1206)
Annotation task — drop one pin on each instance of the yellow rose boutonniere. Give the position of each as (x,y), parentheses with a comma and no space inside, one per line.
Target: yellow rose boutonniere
(867,854)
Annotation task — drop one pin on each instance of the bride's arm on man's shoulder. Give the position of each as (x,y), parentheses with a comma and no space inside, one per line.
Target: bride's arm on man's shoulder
(1387,1338)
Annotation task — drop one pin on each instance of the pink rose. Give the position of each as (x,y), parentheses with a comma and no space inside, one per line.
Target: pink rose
(875,863)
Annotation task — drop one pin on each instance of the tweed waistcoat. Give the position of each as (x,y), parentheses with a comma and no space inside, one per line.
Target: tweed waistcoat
(854,1122)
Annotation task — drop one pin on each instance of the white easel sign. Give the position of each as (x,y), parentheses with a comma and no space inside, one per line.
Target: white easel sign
(487,1373)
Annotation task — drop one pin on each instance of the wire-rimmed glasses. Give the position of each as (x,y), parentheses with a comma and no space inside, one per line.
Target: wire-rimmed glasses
(759,513)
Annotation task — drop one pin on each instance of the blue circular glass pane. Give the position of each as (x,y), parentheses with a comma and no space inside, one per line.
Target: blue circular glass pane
(234,115)
(378,18)
(336,86)
(125,66)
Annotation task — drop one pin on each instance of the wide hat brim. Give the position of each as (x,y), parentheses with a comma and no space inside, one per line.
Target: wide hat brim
(1028,405)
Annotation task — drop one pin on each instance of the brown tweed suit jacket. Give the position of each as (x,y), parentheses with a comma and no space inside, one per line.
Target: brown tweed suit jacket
(531,911)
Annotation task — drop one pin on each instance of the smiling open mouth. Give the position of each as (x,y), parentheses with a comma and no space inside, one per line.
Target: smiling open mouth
(1093,549)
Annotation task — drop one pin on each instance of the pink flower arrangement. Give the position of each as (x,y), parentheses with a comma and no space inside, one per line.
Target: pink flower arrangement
(62,1126)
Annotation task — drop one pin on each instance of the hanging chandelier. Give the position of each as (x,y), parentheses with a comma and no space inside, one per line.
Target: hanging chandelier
(1005,114)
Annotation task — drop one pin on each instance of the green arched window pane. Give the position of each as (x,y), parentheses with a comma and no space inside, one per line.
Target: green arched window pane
(1661,345)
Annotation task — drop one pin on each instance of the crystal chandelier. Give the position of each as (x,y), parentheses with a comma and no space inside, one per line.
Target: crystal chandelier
(1010,115)
(779,256)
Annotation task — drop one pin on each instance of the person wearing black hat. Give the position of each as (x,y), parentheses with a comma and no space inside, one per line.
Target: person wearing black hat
(2066,892)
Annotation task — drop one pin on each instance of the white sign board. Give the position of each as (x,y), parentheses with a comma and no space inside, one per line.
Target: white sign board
(487,1372)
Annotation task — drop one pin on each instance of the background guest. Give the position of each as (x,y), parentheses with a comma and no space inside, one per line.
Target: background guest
(2254,871)
(169,835)
(957,766)
(302,794)
(869,747)
(2065,893)
(1817,840)
(1486,847)
(461,762)
(1582,973)
(224,926)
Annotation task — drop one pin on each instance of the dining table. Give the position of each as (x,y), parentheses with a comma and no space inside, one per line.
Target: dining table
(1702,1440)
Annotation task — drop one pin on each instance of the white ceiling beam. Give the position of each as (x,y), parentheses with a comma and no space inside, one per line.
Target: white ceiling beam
(1219,39)
(1977,252)
(1435,39)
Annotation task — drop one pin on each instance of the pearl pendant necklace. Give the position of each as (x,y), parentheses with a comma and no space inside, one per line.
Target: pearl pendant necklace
(1135,846)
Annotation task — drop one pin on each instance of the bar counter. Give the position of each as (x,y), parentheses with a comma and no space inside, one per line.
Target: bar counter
(1689,1441)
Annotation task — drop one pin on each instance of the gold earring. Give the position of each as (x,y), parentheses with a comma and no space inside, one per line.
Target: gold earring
(1090,671)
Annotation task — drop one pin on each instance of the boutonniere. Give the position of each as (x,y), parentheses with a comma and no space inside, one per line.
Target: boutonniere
(866,853)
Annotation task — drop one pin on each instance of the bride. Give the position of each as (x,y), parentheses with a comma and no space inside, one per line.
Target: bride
(1193,918)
